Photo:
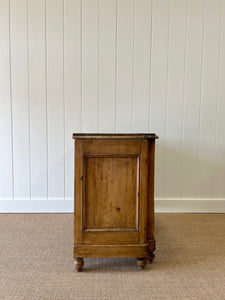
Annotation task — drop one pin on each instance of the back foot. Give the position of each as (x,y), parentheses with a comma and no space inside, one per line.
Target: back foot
(150,257)
(141,262)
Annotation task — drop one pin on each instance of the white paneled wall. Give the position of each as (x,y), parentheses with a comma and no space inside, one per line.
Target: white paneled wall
(112,66)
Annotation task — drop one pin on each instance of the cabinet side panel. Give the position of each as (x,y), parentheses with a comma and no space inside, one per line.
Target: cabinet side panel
(111,190)
(143,191)
(151,167)
(78,191)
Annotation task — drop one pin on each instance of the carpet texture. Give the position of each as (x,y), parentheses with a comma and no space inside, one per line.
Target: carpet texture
(36,261)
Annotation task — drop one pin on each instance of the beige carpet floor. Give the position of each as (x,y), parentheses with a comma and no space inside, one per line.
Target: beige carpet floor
(36,261)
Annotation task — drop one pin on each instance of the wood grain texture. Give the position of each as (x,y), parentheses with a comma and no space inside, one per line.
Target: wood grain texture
(114,196)
(111,189)
(120,147)
(150,203)
(143,192)
(78,191)
(110,250)
(110,237)
(115,136)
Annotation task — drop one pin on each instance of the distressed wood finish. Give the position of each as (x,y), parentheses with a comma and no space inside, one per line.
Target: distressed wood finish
(150,202)
(134,250)
(103,177)
(78,192)
(114,196)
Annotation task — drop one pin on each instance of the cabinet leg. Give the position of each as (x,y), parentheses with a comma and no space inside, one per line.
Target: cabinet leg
(141,262)
(78,264)
(150,257)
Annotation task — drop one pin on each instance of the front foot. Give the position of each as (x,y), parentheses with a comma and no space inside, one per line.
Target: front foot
(141,262)
(78,264)
(150,257)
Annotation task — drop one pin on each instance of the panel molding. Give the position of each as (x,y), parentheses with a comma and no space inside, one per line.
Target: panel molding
(65,205)
(100,182)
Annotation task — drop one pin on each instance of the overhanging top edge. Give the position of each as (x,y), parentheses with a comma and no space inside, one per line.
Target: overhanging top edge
(116,136)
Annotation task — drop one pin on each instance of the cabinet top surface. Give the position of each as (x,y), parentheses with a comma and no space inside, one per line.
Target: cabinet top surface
(116,136)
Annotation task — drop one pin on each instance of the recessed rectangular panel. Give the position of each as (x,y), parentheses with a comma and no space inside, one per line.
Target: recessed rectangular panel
(111,192)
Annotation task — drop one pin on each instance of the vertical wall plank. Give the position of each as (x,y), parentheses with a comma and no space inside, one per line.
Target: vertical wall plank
(37,96)
(209,97)
(20,101)
(55,98)
(189,170)
(158,87)
(90,63)
(219,166)
(6,164)
(72,91)
(124,83)
(175,97)
(107,65)
(141,79)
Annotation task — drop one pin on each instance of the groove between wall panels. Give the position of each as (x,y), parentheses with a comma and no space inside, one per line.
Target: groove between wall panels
(201,86)
(46,96)
(28,102)
(167,87)
(116,54)
(167,79)
(10,74)
(150,72)
(217,98)
(64,104)
(81,65)
(98,64)
(184,89)
(209,97)
(134,28)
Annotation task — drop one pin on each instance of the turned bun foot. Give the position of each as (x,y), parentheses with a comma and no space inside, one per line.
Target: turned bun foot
(150,257)
(78,264)
(141,262)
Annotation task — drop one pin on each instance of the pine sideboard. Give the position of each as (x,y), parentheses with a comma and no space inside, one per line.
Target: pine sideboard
(114,197)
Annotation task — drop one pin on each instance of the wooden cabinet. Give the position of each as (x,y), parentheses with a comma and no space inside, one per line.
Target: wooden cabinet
(114,196)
